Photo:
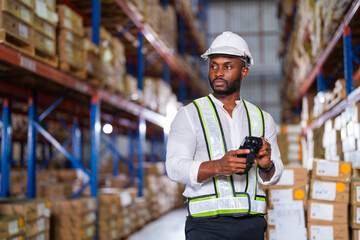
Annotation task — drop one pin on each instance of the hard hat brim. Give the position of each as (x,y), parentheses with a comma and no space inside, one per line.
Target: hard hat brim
(227,50)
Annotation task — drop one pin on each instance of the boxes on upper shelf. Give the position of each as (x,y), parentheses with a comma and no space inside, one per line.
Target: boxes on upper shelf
(10,25)
(18,10)
(70,20)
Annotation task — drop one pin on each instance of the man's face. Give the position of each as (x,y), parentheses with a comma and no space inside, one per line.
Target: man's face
(225,74)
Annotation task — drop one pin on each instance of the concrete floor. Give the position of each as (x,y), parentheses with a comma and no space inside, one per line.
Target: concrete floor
(169,227)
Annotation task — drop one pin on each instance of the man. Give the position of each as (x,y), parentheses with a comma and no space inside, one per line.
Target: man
(224,201)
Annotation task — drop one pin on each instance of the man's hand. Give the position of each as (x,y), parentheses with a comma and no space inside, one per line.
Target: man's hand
(264,160)
(263,157)
(227,165)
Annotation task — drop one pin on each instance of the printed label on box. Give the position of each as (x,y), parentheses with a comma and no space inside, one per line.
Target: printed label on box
(90,217)
(40,237)
(358,193)
(13,227)
(47,212)
(41,9)
(25,14)
(49,45)
(357,215)
(359,234)
(322,211)
(69,36)
(271,217)
(41,209)
(287,178)
(324,190)
(91,204)
(40,224)
(89,231)
(125,199)
(325,168)
(67,23)
(272,234)
(23,31)
(113,234)
(281,196)
(48,29)
(321,232)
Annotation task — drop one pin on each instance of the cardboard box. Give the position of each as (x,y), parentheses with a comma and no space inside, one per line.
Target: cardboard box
(44,43)
(279,196)
(45,9)
(292,176)
(73,206)
(16,27)
(18,10)
(329,191)
(76,40)
(66,175)
(10,226)
(70,20)
(332,170)
(72,55)
(355,234)
(327,212)
(324,231)
(38,226)
(43,236)
(355,193)
(355,216)
(84,233)
(44,27)
(29,209)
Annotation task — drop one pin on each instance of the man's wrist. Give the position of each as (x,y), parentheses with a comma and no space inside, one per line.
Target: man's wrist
(268,169)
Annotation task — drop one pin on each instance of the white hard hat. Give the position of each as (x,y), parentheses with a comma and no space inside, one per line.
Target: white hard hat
(230,44)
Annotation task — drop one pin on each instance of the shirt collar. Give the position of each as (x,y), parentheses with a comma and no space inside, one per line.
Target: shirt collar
(220,104)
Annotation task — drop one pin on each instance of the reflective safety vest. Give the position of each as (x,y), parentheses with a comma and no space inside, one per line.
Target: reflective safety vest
(226,201)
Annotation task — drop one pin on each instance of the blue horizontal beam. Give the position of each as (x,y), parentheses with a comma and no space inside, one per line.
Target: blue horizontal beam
(58,146)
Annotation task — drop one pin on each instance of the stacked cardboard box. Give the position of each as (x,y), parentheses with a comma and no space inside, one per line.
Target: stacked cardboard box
(109,222)
(45,23)
(93,61)
(16,21)
(355,208)
(71,40)
(11,226)
(119,63)
(287,201)
(329,198)
(35,214)
(289,142)
(73,219)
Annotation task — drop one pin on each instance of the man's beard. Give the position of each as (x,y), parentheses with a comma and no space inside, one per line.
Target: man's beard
(230,89)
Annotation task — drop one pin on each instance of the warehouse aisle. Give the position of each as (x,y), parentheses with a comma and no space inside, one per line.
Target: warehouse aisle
(168,227)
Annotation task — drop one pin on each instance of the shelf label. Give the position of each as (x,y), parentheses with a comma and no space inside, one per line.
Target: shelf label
(28,64)
(81,87)
(41,209)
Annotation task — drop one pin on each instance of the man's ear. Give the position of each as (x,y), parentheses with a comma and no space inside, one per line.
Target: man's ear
(244,71)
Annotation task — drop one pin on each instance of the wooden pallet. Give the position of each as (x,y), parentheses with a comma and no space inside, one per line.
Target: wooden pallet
(47,58)
(12,41)
(67,67)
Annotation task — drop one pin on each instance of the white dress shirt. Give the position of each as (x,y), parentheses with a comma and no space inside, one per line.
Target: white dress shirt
(186,147)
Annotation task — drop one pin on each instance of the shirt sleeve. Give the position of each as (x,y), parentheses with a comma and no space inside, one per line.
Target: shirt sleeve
(270,136)
(181,146)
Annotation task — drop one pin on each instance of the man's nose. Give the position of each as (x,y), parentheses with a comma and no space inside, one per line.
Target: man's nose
(219,73)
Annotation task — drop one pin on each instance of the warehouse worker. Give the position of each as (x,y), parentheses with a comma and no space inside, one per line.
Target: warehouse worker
(223,200)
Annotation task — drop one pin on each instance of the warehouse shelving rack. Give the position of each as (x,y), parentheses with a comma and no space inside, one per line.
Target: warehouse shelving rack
(317,72)
(34,67)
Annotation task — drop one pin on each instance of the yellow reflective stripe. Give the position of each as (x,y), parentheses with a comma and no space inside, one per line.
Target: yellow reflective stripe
(201,199)
(261,120)
(217,212)
(248,182)
(259,213)
(248,113)
(205,128)
(241,195)
(258,198)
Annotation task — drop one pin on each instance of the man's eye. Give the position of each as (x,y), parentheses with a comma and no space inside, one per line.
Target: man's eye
(213,67)
(228,67)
